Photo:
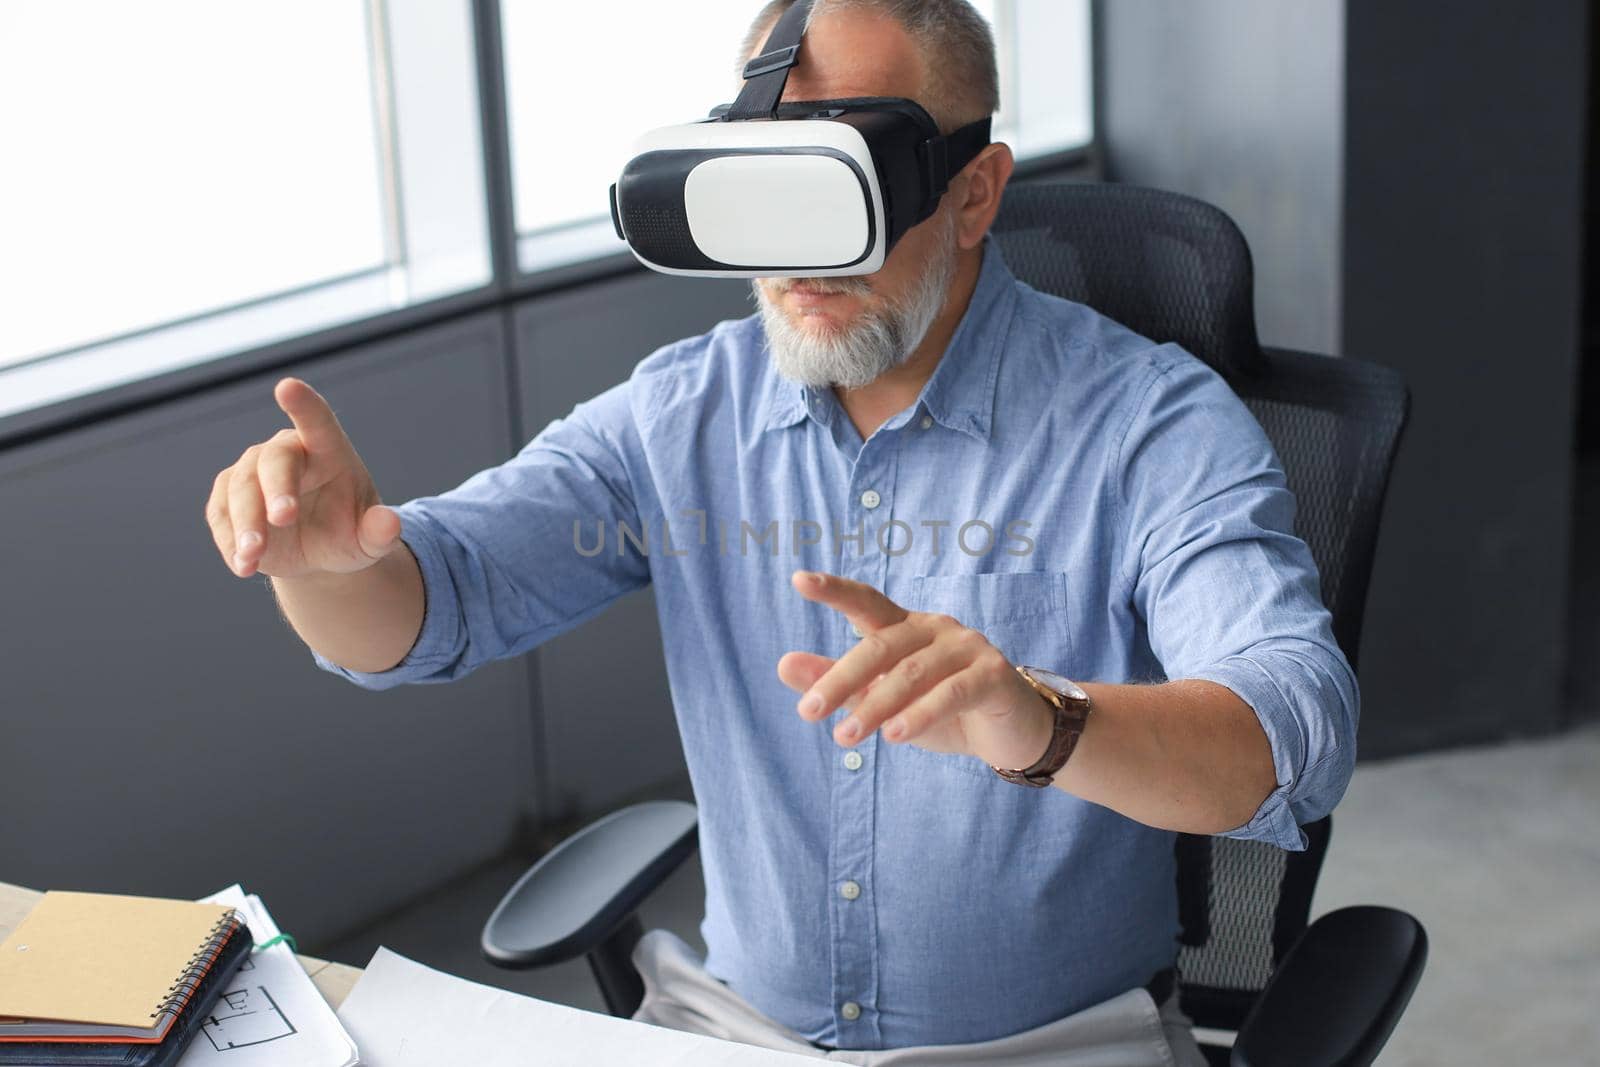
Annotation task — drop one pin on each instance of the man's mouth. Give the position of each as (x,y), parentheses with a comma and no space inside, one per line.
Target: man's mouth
(819,288)
(807,298)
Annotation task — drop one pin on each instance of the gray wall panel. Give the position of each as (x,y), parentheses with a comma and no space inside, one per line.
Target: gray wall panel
(607,724)
(164,732)
(1240,103)
(1462,265)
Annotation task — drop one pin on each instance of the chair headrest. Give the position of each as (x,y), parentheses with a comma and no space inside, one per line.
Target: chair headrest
(1167,266)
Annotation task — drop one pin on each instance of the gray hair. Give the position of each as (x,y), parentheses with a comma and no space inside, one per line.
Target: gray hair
(957,48)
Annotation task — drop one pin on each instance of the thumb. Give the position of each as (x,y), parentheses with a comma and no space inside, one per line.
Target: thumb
(378,531)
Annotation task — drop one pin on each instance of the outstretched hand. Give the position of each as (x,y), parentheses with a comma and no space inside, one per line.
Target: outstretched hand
(918,677)
(302,501)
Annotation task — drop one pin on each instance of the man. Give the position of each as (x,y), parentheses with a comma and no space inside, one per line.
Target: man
(971,477)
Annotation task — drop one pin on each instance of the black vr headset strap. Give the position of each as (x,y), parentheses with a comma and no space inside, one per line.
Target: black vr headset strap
(963,145)
(945,156)
(766,74)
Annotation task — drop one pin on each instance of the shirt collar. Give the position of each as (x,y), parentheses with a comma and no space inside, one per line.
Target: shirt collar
(960,392)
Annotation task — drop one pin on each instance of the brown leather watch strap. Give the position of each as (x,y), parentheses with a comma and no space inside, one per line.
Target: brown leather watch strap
(1071,706)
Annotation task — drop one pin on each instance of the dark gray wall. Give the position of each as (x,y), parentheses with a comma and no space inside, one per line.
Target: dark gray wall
(1240,103)
(163,732)
(141,675)
(1464,166)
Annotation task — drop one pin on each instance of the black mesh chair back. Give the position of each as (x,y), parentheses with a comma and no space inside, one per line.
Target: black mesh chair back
(1176,269)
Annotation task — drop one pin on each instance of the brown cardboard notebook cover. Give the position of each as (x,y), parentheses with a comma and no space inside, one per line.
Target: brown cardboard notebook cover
(101,958)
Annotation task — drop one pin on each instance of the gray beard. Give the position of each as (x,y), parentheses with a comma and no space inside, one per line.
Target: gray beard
(881,340)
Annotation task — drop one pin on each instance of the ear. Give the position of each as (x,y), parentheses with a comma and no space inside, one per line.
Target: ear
(978,189)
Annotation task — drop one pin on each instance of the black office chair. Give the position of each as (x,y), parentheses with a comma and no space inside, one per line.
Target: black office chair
(1173,269)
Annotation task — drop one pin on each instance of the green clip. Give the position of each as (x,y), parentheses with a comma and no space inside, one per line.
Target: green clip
(269,942)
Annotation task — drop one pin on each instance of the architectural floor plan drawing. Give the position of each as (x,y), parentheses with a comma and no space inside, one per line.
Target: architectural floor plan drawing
(246,1016)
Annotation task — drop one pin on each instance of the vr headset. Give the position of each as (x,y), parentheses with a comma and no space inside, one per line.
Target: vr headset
(814,188)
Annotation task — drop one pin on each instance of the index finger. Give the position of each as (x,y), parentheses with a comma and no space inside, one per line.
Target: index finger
(863,605)
(312,417)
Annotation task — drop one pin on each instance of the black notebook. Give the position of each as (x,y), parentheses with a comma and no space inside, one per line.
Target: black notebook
(162,1054)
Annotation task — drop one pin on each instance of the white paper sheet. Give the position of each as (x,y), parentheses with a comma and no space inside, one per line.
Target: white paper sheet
(403,1014)
(271,1014)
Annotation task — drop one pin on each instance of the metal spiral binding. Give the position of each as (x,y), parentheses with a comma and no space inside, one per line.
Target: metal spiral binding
(199,964)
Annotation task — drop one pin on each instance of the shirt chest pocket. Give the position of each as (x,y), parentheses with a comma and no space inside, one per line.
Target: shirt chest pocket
(1024,615)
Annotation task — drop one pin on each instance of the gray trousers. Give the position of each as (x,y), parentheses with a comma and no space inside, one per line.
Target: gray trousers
(1129,1030)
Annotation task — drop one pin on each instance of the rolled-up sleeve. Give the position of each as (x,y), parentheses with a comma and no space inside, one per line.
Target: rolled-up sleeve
(514,556)
(1227,592)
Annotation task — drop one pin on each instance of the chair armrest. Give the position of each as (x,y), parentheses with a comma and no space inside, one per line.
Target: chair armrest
(1335,998)
(587,886)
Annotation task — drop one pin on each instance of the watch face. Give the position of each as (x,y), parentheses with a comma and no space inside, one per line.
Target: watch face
(1056,682)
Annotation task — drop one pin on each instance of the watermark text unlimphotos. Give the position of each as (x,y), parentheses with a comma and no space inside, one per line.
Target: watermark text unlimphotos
(695,530)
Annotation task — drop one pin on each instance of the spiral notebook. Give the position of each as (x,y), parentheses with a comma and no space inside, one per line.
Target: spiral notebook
(94,966)
(171,1051)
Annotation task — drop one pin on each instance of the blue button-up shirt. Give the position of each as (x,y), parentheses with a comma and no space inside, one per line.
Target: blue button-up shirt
(1094,503)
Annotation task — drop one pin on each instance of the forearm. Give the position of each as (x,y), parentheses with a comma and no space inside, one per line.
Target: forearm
(1187,755)
(366,621)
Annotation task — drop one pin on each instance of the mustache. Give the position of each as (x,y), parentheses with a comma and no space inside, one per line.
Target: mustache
(847,286)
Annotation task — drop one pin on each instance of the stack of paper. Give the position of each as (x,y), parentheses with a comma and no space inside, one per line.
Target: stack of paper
(271,1014)
(406,1015)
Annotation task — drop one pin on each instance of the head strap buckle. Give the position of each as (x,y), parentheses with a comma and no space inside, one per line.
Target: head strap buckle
(767,62)
(766,74)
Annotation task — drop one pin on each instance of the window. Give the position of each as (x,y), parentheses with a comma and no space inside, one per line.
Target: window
(583,80)
(163,116)
(189,178)
(1046,74)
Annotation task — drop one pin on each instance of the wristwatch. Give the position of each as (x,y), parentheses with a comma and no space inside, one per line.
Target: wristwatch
(1072,711)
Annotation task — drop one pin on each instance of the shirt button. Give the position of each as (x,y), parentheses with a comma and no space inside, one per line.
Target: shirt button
(852,760)
(850,890)
(850,1010)
(856,630)
(870,499)
(927,421)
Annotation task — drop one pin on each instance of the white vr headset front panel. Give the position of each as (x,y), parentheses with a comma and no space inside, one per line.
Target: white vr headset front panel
(782,195)
(747,210)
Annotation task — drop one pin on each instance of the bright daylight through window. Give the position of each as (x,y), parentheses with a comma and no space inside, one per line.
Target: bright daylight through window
(180,157)
(187,178)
